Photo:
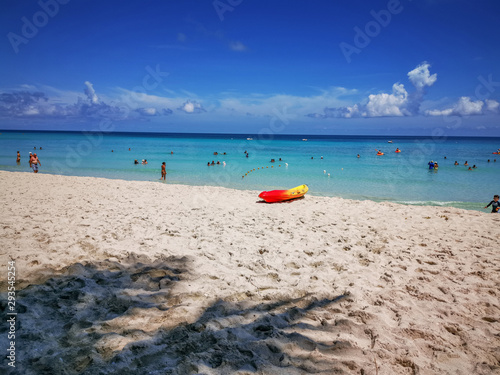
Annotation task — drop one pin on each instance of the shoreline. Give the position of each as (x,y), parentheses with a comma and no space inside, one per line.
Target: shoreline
(138,275)
(427,203)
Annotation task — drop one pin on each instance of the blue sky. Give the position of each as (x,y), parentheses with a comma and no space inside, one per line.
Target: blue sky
(241,66)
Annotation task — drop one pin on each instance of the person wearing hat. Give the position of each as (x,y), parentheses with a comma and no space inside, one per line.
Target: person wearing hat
(431,164)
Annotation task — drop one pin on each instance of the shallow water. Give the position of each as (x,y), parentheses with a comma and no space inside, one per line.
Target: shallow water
(402,177)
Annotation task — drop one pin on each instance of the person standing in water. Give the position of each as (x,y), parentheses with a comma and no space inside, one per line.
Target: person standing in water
(163,171)
(18,157)
(34,163)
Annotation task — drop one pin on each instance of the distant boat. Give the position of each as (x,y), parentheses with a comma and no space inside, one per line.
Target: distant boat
(249,139)
(304,139)
(389,141)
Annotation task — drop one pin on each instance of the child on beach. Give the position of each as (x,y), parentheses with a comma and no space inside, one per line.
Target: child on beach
(495,204)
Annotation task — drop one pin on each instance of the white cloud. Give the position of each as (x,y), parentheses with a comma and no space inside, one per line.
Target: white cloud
(492,105)
(191,107)
(421,77)
(90,92)
(388,104)
(463,107)
(395,104)
(237,46)
(466,107)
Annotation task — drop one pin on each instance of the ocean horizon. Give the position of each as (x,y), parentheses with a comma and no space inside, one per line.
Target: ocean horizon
(328,164)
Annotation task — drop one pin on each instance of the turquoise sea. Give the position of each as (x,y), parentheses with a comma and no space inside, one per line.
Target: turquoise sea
(402,178)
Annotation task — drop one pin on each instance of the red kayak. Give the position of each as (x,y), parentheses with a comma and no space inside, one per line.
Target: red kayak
(284,195)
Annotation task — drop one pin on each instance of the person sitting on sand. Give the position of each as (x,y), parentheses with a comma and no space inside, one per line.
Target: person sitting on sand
(34,163)
(163,171)
(18,157)
(495,204)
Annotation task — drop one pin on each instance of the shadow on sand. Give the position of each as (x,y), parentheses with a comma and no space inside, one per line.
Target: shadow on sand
(118,318)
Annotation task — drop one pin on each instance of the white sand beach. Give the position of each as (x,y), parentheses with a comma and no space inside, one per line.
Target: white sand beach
(124,277)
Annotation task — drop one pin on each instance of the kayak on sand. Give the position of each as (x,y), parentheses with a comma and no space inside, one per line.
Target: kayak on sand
(284,195)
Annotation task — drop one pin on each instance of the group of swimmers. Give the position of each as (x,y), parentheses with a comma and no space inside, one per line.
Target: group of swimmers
(214,163)
(144,161)
(33,160)
(433,165)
